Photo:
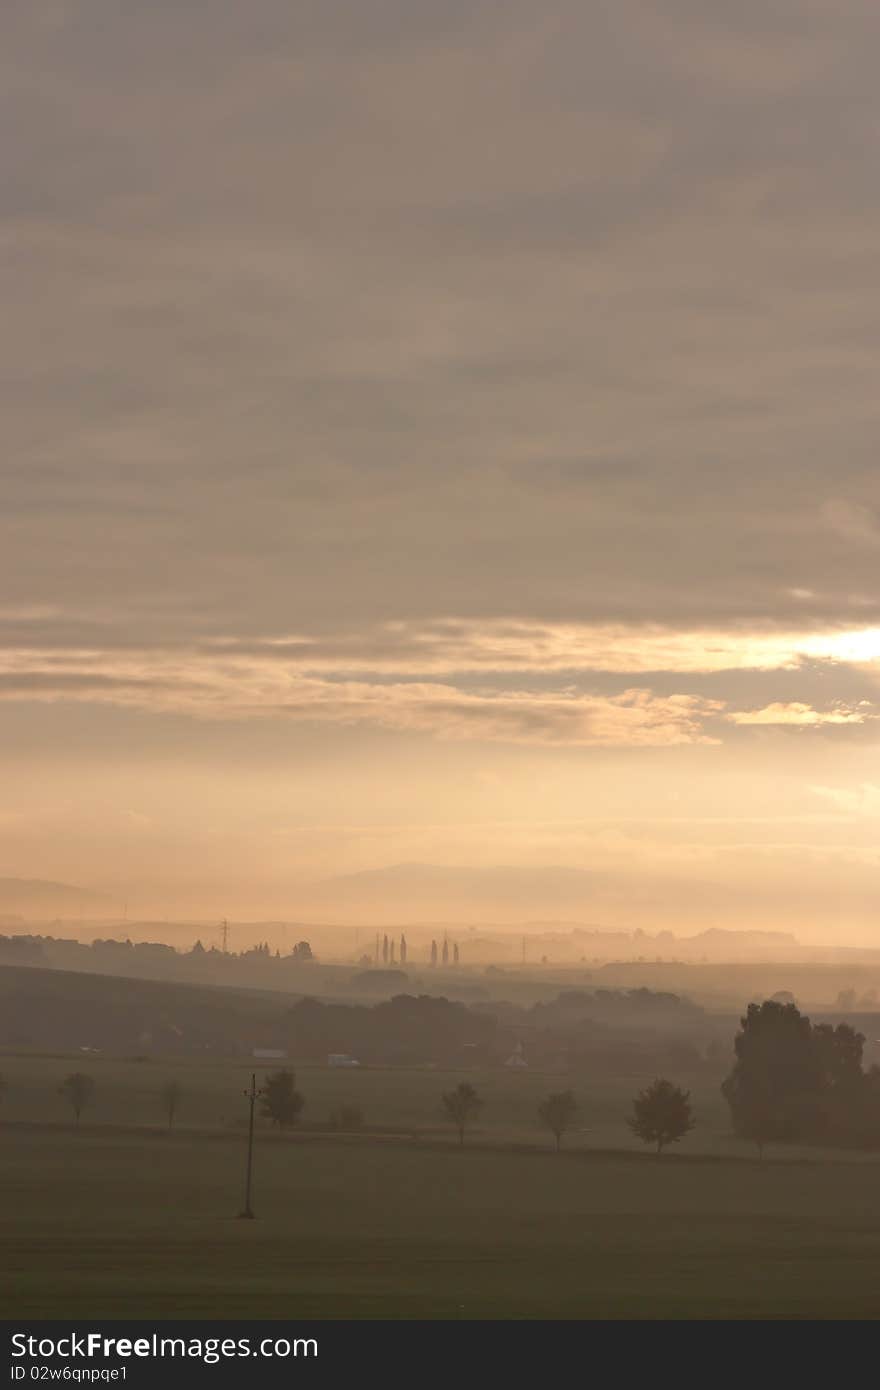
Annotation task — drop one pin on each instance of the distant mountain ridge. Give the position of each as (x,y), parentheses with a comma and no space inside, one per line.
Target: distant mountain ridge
(40,897)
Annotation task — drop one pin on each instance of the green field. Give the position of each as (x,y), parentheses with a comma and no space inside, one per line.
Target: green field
(406,1100)
(118,1221)
(127,1225)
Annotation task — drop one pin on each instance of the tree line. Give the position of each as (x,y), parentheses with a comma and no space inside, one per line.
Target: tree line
(791,1081)
(78,1090)
(661,1113)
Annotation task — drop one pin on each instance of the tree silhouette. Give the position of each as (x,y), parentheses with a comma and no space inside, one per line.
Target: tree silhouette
(171,1094)
(758,1120)
(77,1089)
(661,1114)
(302,951)
(557,1112)
(794,1080)
(280,1101)
(462,1105)
(776,1068)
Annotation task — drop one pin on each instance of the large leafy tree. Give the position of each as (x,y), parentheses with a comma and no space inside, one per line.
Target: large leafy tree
(280,1101)
(662,1114)
(793,1080)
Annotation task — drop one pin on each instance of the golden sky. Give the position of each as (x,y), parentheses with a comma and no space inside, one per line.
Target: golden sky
(443,435)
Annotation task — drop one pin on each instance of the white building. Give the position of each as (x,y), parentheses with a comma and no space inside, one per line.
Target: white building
(341,1059)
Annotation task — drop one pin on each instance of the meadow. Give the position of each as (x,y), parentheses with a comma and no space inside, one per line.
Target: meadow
(398,1099)
(124,1219)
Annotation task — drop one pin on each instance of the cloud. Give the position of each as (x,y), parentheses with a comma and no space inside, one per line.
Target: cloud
(511,645)
(222,686)
(862,800)
(445,645)
(795,713)
(497,680)
(483,310)
(502,373)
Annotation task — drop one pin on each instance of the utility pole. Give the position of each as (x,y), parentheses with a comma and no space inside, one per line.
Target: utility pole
(247,1214)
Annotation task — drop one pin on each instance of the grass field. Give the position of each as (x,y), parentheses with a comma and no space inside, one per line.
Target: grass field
(125,1220)
(129,1093)
(119,1224)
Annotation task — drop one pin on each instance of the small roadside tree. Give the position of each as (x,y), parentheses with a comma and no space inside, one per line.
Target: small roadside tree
(171,1095)
(662,1114)
(462,1105)
(280,1101)
(77,1089)
(557,1112)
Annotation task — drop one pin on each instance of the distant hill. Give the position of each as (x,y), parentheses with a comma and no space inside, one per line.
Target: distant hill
(421,890)
(551,905)
(42,898)
(75,1010)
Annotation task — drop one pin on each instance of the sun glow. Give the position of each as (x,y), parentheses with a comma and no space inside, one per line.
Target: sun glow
(858,647)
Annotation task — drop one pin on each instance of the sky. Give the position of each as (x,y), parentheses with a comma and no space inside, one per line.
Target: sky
(443,435)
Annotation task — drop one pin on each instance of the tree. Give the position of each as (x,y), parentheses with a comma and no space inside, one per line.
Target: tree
(557,1112)
(758,1121)
(77,1089)
(791,1080)
(171,1094)
(462,1105)
(661,1114)
(280,1100)
(302,951)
